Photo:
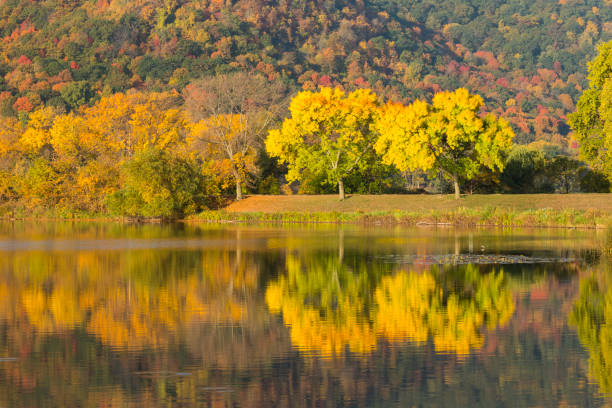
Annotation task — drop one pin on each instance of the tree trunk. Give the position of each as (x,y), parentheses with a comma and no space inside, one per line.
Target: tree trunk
(238,189)
(341,189)
(456,184)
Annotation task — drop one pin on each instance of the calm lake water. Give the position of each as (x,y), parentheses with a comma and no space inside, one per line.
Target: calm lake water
(108,315)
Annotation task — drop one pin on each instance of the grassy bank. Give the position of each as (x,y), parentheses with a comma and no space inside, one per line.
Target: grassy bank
(526,210)
(420,202)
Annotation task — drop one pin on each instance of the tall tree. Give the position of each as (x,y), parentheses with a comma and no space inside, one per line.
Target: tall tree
(235,111)
(592,121)
(449,135)
(329,133)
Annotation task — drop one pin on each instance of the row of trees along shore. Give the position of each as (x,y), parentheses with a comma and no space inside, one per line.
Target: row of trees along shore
(170,154)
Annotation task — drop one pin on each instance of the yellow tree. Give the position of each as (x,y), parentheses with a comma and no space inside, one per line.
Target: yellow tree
(236,109)
(328,133)
(109,119)
(157,122)
(10,130)
(592,121)
(218,138)
(448,135)
(36,135)
(134,122)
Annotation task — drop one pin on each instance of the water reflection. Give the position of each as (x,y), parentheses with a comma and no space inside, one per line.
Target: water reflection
(126,300)
(330,307)
(592,316)
(252,316)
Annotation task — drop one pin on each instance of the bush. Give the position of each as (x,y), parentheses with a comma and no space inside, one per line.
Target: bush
(157,184)
(594,182)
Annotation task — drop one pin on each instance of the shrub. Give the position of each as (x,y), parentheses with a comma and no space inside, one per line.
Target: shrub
(157,184)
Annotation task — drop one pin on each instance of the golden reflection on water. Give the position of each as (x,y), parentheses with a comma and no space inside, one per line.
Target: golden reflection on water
(330,308)
(269,316)
(132,300)
(592,316)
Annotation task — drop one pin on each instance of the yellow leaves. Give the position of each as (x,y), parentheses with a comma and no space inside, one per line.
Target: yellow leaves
(402,140)
(324,306)
(227,126)
(9,135)
(134,122)
(91,290)
(328,131)
(67,134)
(37,134)
(413,306)
(155,125)
(448,135)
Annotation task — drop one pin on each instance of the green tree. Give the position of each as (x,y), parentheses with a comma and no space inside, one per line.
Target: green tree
(448,135)
(592,121)
(594,182)
(156,184)
(524,171)
(565,171)
(76,94)
(329,133)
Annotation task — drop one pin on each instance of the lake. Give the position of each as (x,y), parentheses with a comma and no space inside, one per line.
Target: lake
(107,315)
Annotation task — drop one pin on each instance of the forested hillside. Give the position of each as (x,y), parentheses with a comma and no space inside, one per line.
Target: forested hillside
(527,59)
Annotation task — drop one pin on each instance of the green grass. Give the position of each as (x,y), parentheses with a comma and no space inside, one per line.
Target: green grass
(520,210)
(420,202)
(458,217)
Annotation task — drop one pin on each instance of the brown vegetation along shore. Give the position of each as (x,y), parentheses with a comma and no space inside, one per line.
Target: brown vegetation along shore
(572,211)
(420,203)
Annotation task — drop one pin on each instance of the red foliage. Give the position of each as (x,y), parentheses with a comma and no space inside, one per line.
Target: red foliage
(25,27)
(74,65)
(503,82)
(547,74)
(464,69)
(452,67)
(489,58)
(23,60)
(23,104)
(487,76)
(362,83)
(325,80)
(542,110)
(536,80)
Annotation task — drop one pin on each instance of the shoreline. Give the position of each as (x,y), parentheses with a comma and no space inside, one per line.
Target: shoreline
(583,211)
(463,217)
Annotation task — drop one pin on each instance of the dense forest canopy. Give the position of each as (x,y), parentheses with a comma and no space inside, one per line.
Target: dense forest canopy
(527,59)
(159,108)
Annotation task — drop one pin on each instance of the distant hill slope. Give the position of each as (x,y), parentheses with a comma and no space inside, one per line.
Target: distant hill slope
(528,59)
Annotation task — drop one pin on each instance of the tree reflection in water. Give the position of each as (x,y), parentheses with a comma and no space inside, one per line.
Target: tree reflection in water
(331,307)
(189,325)
(592,316)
